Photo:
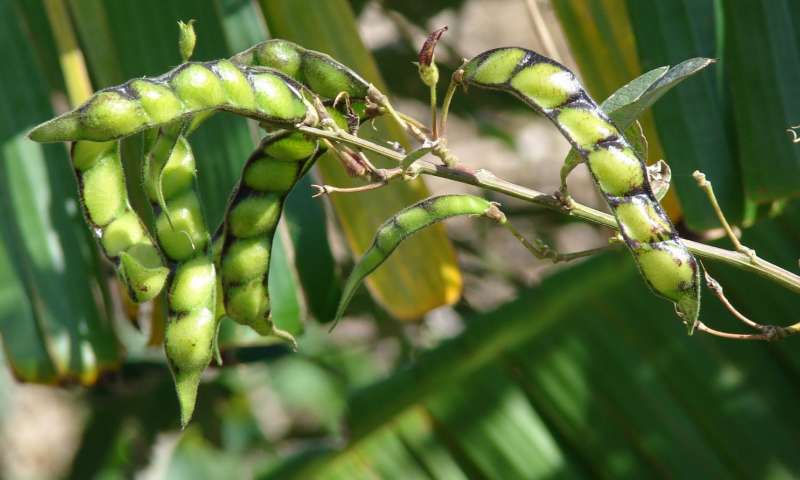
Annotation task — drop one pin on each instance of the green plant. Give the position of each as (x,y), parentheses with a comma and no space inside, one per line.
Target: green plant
(166,104)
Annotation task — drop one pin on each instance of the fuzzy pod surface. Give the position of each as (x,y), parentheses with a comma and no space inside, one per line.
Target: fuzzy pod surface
(120,232)
(244,240)
(194,87)
(322,74)
(181,231)
(548,87)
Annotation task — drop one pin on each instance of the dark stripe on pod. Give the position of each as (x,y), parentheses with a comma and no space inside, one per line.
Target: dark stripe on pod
(120,233)
(245,257)
(551,89)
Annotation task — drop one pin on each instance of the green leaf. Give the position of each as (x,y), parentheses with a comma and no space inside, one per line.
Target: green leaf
(313,259)
(23,343)
(283,292)
(631,92)
(51,256)
(629,102)
(762,59)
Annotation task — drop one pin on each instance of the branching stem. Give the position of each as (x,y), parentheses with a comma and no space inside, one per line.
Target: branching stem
(487,180)
(706,186)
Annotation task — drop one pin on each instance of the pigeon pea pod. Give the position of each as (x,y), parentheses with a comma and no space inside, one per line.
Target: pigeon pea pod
(169,182)
(318,72)
(322,74)
(244,241)
(120,232)
(404,224)
(548,87)
(260,93)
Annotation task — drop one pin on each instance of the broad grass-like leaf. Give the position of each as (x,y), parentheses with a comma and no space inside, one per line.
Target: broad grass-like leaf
(51,264)
(761,54)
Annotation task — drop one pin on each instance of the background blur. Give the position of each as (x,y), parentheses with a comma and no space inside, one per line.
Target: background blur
(536,371)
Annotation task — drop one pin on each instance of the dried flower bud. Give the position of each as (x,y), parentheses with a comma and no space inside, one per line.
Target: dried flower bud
(427,67)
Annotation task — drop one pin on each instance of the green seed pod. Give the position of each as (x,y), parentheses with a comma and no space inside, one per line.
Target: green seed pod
(122,236)
(404,224)
(191,88)
(194,313)
(322,74)
(245,238)
(548,87)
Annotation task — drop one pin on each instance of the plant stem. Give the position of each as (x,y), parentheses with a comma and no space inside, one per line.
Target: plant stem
(434,120)
(448,98)
(489,181)
(706,186)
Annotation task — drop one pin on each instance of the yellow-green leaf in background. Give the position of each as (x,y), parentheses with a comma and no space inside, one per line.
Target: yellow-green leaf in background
(423,274)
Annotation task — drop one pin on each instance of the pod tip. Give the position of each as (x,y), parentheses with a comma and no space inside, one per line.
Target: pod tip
(186,385)
(688,308)
(59,129)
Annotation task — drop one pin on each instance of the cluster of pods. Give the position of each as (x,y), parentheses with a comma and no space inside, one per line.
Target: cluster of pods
(282,85)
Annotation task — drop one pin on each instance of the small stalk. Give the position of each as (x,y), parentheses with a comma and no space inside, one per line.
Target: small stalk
(706,186)
(455,80)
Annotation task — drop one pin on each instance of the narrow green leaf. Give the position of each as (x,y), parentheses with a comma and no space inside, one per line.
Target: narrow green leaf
(625,110)
(23,341)
(415,155)
(283,292)
(306,219)
(632,91)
